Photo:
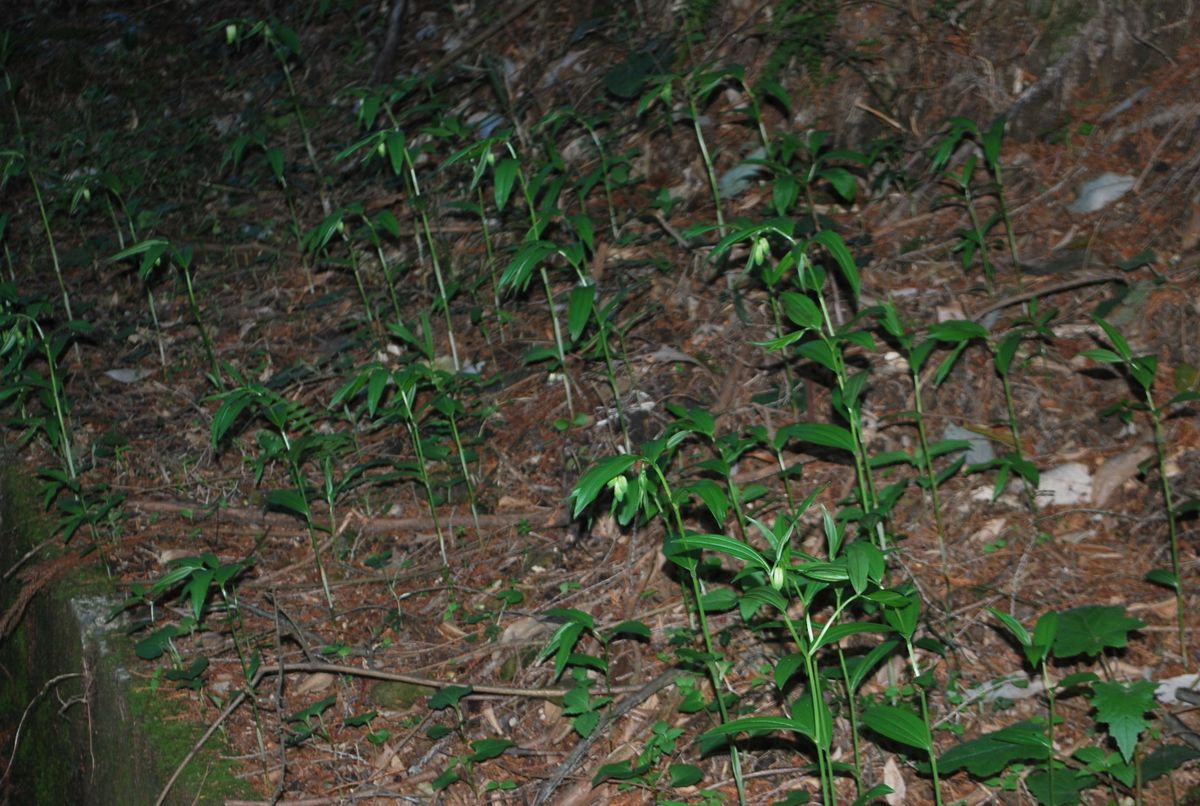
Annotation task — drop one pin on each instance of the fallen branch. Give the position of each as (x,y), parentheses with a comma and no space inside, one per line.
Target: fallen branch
(628,704)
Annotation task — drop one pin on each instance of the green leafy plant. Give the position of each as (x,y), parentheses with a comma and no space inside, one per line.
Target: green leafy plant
(151,253)
(974,240)
(1142,370)
(1089,630)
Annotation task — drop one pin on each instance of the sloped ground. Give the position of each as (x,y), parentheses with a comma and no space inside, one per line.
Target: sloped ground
(177,135)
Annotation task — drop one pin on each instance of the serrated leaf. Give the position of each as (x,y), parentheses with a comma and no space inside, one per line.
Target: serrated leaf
(1091,629)
(1123,708)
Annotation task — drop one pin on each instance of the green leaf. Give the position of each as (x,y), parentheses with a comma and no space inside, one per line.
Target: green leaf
(1167,758)
(836,247)
(444,780)
(957,331)
(617,771)
(595,479)
(826,434)
(1164,577)
(899,725)
(506,174)
(840,631)
(713,496)
(1101,354)
(289,501)
(487,749)
(1115,337)
(842,180)
(1091,629)
(786,667)
(758,725)
(634,628)
(990,753)
(579,309)
(861,666)
(726,545)
(518,272)
(1067,785)
(1123,708)
(1016,628)
(684,775)
(448,697)
(800,309)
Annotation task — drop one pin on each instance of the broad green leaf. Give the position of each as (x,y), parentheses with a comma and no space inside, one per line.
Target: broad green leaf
(861,666)
(713,496)
(1122,708)
(726,545)
(990,753)
(634,628)
(486,749)
(786,667)
(718,600)
(815,350)
(289,501)
(836,247)
(759,724)
(957,331)
(1167,758)
(1067,785)
(448,697)
(579,309)
(825,434)
(1164,577)
(1101,354)
(899,725)
(682,775)
(842,180)
(505,176)
(1016,628)
(1115,337)
(572,615)
(800,309)
(840,631)
(518,272)
(1091,629)
(594,480)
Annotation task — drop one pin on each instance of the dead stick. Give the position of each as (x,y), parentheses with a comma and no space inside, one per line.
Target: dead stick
(628,704)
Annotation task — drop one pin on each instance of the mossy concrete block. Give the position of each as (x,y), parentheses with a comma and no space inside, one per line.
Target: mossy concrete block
(91,728)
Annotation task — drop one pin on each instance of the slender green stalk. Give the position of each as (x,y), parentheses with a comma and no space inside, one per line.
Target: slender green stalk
(1160,442)
(716,677)
(443,298)
(45,217)
(931,478)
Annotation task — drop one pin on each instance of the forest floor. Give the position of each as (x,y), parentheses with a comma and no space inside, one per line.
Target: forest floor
(222,468)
